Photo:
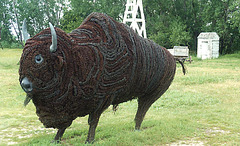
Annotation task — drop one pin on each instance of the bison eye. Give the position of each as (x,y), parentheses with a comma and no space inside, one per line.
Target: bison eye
(38,59)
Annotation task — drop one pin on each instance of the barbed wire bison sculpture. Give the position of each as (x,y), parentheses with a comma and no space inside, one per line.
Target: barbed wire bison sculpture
(101,63)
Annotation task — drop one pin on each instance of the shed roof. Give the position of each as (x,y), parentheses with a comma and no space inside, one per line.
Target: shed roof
(180,47)
(208,35)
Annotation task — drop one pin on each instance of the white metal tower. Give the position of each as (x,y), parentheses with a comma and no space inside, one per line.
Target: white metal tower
(134,17)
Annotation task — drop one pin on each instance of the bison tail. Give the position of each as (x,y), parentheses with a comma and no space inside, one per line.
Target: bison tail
(183,66)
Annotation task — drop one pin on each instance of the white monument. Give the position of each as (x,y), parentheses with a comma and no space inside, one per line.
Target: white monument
(208,45)
(134,17)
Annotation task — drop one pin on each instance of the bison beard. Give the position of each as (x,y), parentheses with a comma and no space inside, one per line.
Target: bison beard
(101,63)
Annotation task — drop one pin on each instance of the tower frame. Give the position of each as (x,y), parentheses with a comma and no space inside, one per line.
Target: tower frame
(134,17)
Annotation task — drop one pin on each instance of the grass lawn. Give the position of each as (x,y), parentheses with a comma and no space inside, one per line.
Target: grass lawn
(200,108)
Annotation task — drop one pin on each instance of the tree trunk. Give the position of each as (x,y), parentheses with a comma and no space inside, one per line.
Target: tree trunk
(18,25)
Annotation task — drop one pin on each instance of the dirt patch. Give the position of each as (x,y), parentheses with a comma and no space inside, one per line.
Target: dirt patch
(191,142)
(195,142)
(12,136)
(215,130)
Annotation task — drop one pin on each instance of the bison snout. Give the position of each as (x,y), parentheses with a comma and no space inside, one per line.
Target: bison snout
(26,85)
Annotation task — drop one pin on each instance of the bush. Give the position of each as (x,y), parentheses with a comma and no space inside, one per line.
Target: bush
(6,44)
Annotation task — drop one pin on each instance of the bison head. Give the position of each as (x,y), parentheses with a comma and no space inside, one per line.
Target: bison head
(43,62)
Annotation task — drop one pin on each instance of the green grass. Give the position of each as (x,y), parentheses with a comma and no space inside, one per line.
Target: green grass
(202,107)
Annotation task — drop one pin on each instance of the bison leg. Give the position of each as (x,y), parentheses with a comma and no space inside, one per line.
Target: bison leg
(143,106)
(59,135)
(93,122)
(94,118)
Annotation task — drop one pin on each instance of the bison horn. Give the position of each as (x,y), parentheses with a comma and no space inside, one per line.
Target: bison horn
(24,31)
(53,47)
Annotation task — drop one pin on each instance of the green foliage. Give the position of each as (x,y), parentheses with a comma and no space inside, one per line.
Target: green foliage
(235,15)
(4,21)
(179,35)
(173,34)
(222,17)
(70,21)
(7,44)
(82,8)
(37,13)
(40,13)
(172,23)
(190,18)
(162,34)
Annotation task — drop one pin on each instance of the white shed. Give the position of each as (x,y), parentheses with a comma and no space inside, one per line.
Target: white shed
(208,45)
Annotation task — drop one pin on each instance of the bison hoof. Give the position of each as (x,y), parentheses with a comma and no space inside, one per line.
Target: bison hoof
(56,141)
(137,130)
(89,141)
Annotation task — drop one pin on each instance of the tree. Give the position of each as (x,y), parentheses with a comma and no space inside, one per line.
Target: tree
(179,35)
(164,24)
(18,30)
(220,16)
(235,14)
(5,21)
(168,22)
(38,15)
(80,9)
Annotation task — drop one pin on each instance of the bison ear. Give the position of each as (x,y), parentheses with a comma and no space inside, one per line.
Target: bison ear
(59,63)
